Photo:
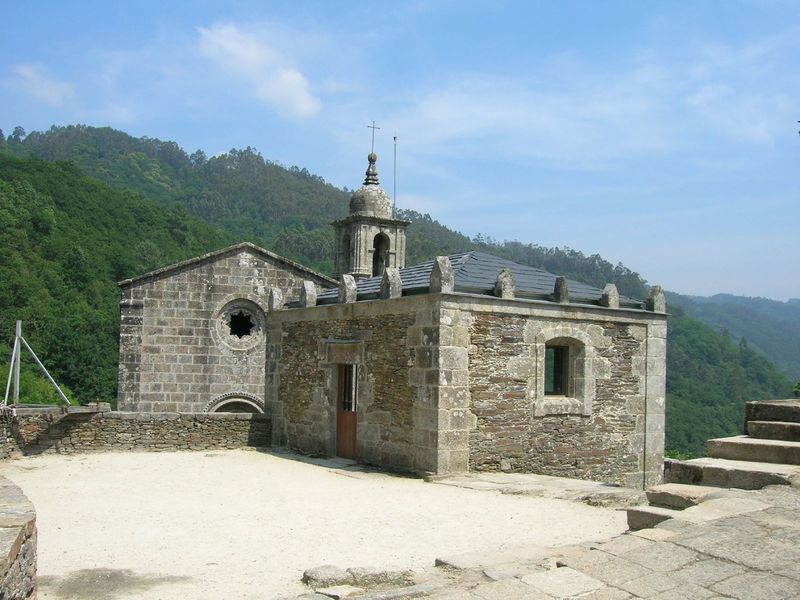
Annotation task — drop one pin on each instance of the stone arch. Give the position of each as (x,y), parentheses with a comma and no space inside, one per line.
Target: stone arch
(239,402)
(380,254)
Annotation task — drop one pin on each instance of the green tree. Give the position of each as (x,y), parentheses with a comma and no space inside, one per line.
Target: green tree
(797,389)
(18,134)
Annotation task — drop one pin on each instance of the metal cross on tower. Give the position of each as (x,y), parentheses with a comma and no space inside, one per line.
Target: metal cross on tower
(373,127)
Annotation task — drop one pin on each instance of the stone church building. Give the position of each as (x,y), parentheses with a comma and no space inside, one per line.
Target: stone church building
(464,363)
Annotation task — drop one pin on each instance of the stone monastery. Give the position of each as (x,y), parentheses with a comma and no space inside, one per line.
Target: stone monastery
(465,363)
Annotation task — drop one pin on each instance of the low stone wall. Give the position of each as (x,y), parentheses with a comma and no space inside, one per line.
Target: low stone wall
(17,543)
(37,431)
(8,446)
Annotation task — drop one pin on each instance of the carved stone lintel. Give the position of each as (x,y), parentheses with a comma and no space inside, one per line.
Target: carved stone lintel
(391,284)
(656,301)
(504,287)
(561,290)
(348,291)
(308,294)
(610,297)
(275,301)
(442,276)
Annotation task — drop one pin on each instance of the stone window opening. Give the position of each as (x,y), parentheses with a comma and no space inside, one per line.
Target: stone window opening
(380,254)
(556,370)
(566,384)
(241,324)
(349,374)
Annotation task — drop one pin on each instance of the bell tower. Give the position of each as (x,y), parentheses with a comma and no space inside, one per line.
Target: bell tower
(369,239)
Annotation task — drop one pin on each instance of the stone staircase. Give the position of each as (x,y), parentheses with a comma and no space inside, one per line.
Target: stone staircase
(768,455)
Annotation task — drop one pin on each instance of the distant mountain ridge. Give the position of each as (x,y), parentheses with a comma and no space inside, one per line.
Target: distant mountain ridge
(770,327)
(70,237)
(284,208)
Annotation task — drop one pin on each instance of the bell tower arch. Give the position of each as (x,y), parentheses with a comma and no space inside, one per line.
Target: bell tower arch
(370,239)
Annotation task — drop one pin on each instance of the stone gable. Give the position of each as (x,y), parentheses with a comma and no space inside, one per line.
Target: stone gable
(178,352)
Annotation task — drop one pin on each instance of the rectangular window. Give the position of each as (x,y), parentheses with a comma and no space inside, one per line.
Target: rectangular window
(349,374)
(556,370)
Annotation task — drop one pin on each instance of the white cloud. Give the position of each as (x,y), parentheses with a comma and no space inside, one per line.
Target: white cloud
(586,125)
(34,79)
(573,113)
(271,77)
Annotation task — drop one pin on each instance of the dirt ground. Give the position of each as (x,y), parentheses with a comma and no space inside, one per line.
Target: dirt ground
(246,524)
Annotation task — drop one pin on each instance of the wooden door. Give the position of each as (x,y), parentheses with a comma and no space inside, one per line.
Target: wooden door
(346,411)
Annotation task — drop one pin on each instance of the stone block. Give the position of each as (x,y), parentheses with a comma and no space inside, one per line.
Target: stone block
(326,575)
(563,582)
(452,461)
(662,557)
(442,276)
(561,290)
(462,419)
(656,300)
(506,589)
(504,286)
(610,570)
(369,576)
(391,284)
(308,294)
(453,357)
(450,397)
(758,586)
(610,297)
(348,290)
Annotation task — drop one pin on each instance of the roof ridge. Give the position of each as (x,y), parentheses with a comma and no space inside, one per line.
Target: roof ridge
(165,270)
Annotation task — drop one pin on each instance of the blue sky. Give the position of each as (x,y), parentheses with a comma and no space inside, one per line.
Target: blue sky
(662,135)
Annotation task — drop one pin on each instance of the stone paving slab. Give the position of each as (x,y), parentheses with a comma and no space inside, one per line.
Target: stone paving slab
(513,554)
(509,588)
(679,495)
(545,486)
(563,582)
(747,547)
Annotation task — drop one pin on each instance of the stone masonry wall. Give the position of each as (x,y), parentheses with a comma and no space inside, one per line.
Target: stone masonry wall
(37,431)
(396,343)
(17,543)
(8,445)
(608,428)
(309,355)
(176,351)
(468,370)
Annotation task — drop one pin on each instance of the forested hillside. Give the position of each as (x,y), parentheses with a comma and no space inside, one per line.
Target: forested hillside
(67,238)
(768,326)
(288,210)
(709,378)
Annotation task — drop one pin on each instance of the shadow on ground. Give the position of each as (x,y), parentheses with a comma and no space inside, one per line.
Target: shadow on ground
(103,584)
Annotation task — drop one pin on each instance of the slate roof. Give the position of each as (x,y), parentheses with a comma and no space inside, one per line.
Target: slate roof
(476,273)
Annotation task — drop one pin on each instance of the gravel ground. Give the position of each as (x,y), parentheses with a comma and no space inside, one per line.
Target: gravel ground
(246,524)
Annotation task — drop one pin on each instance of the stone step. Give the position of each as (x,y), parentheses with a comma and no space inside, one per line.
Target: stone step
(774,430)
(719,472)
(679,495)
(773,410)
(644,517)
(742,447)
